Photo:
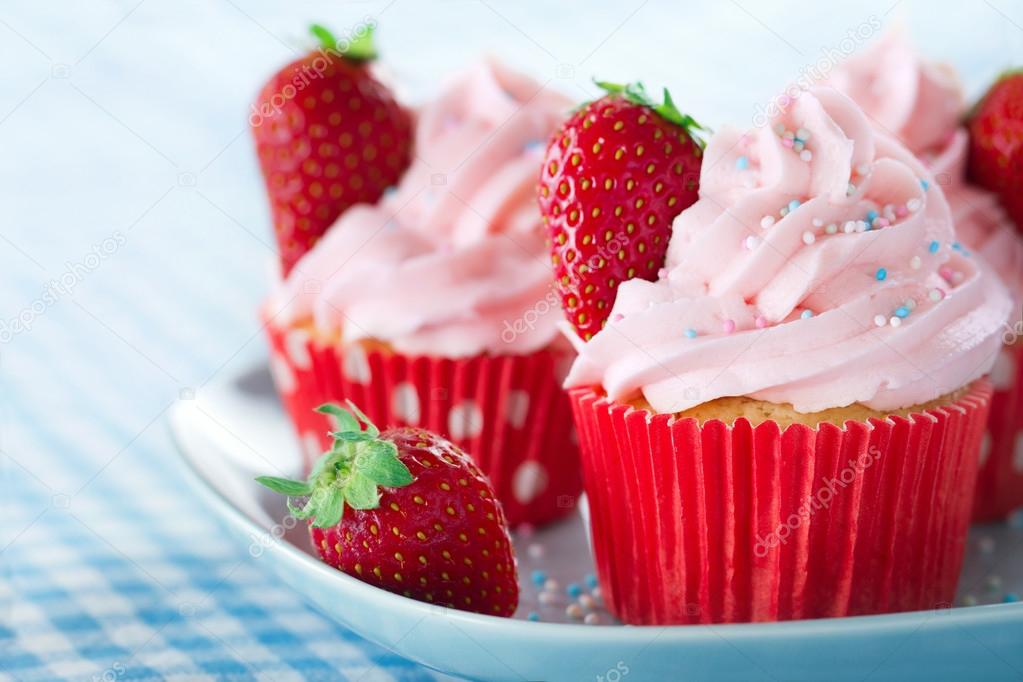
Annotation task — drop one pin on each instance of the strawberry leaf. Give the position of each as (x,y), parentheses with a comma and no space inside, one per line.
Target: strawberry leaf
(382,465)
(345,420)
(359,48)
(361,492)
(285,486)
(328,513)
(637,94)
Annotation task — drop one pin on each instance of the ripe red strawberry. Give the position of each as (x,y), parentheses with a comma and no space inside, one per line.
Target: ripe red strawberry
(328,136)
(432,531)
(615,176)
(996,143)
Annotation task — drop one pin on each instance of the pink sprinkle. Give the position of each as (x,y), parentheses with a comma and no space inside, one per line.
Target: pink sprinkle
(728,326)
(662,273)
(617,317)
(786,142)
(883,222)
(761,321)
(901,212)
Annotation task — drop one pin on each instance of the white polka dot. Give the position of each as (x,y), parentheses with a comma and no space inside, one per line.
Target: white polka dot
(284,378)
(465,420)
(1017,460)
(311,445)
(295,346)
(356,366)
(1004,371)
(405,403)
(517,408)
(530,480)
(985,448)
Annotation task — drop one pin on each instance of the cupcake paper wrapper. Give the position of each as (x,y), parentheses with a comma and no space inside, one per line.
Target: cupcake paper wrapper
(719,524)
(1000,479)
(508,412)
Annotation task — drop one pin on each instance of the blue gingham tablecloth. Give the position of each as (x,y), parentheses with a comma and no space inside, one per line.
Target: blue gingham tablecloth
(134,244)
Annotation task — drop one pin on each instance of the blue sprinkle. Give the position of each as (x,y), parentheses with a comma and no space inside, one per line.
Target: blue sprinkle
(573,590)
(871,216)
(691,333)
(933,247)
(806,314)
(881,274)
(590,580)
(902,311)
(538,577)
(742,163)
(533,616)
(924,184)
(533,144)
(793,205)
(1010,597)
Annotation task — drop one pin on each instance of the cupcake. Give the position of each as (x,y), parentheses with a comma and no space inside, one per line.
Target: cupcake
(922,104)
(432,306)
(786,424)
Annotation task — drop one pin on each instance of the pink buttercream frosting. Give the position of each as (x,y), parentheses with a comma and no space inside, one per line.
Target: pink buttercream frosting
(817,268)
(922,103)
(454,257)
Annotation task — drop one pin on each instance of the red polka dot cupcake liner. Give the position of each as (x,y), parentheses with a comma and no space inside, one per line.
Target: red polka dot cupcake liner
(1000,479)
(508,412)
(726,524)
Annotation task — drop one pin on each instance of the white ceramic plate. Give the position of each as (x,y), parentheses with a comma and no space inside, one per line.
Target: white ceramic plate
(975,642)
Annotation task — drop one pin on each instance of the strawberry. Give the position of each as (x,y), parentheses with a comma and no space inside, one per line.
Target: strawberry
(422,519)
(615,176)
(996,143)
(328,136)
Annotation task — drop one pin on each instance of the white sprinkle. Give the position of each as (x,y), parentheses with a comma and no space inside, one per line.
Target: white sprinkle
(574,611)
(752,242)
(809,238)
(910,304)
(591,619)
(880,320)
(767,221)
(547,598)
(915,262)
(587,602)
(535,551)
(861,226)
(849,227)
(803,134)
(851,191)
(551,585)
(935,295)
(832,228)
(913,205)
(817,222)
(784,211)
(806,155)
(596,593)
(789,135)
(895,321)
(863,169)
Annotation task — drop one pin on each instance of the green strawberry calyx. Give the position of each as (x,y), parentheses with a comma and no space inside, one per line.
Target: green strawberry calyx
(358,48)
(636,93)
(350,473)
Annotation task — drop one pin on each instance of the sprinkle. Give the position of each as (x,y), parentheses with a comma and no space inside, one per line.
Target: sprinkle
(787,142)
(728,326)
(590,580)
(535,551)
(880,320)
(793,205)
(851,190)
(1010,597)
(861,226)
(849,227)
(591,619)
(617,317)
(909,304)
(587,602)
(936,295)
(915,262)
(690,333)
(752,242)
(924,184)
(742,163)
(538,577)
(803,134)
(902,212)
(871,216)
(551,585)
(784,211)
(913,205)
(533,616)
(809,238)
(882,222)
(806,155)
(902,311)
(596,593)
(895,321)
(881,274)
(574,611)
(779,128)
(933,247)
(986,544)
(767,221)
(789,135)
(863,169)
(662,273)
(547,598)
(798,146)
(806,314)
(817,222)
(573,590)
(946,273)
(832,228)
(761,321)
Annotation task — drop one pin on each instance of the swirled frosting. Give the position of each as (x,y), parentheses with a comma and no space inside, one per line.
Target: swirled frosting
(922,103)
(819,268)
(452,262)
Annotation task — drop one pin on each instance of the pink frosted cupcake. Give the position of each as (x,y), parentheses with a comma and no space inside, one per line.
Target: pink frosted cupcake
(788,426)
(433,307)
(922,103)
